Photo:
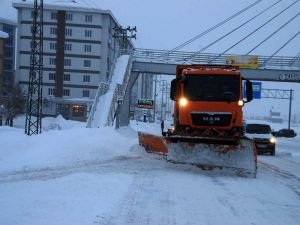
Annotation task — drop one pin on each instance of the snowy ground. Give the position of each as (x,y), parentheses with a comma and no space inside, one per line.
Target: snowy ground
(71,175)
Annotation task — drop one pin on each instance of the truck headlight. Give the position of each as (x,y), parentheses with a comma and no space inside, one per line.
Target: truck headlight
(272,140)
(241,103)
(183,101)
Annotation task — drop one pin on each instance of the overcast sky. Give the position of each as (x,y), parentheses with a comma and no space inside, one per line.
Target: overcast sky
(164,24)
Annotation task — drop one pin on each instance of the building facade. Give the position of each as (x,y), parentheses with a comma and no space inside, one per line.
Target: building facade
(7,60)
(79,53)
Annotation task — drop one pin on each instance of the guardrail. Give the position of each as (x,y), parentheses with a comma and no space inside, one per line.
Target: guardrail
(181,57)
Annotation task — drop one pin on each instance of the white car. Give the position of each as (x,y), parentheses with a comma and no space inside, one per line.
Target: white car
(262,136)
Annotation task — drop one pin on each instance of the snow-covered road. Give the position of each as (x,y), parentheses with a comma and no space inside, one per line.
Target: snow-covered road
(130,186)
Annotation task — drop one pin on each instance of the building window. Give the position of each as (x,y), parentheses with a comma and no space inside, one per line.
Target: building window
(88,33)
(68,32)
(52,61)
(53,30)
(53,16)
(67,77)
(69,17)
(32,13)
(66,92)
(87,63)
(86,78)
(85,93)
(87,48)
(51,91)
(78,111)
(67,62)
(52,46)
(51,76)
(68,47)
(88,18)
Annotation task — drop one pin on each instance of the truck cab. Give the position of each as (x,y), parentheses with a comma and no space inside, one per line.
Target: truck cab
(209,100)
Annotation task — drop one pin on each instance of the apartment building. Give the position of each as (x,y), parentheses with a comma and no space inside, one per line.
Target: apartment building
(7,59)
(79,54)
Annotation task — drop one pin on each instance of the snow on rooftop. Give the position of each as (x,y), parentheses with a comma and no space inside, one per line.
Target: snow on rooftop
(76,5)
(70,5)
(3,34)
(8,14)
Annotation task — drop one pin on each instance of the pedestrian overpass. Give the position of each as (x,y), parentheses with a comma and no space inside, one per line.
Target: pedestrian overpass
(163,62)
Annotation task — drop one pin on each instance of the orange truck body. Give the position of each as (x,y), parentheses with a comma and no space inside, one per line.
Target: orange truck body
(201,115)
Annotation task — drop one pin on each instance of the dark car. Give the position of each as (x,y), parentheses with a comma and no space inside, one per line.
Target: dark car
(285,133)
(262,136)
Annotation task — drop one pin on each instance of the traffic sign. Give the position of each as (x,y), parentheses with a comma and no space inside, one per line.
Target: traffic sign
(256,87)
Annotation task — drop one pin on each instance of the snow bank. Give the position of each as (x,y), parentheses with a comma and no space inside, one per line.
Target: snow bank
(71,144)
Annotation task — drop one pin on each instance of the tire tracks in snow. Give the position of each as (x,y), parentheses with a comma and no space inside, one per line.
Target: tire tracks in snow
(47,173)
(225,200)
(286,178)
(137,204)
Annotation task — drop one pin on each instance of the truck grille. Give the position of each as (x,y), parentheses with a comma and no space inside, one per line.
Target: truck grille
(211,119)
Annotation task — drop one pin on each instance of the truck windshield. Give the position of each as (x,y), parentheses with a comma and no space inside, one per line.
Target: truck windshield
(212,87)
(258,129)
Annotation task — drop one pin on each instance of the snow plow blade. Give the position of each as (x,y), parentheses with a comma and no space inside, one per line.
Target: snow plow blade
(239,158)
(153,143)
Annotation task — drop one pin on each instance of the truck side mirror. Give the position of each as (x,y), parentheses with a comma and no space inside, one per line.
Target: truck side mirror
(249,91)
(173,94)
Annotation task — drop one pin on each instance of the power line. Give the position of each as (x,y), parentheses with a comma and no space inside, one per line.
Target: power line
(273,33)
(285,44)
(235,29)
(214,27)
(244,38)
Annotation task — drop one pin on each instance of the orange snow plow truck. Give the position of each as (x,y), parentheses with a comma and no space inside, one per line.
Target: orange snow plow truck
(208,120)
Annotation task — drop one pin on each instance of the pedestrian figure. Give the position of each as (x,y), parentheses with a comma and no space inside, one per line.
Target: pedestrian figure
(11,121)
(162,126)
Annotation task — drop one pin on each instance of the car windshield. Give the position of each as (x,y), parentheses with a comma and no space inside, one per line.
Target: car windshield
(258,129)
(212,87)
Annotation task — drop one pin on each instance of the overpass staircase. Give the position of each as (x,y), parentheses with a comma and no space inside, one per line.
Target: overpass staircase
(110,95)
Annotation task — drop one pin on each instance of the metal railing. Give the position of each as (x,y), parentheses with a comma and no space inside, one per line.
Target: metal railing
(102,89)
(119,94)
(181,57)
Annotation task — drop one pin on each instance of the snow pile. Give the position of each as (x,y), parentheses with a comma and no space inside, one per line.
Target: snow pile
(3,34)
(71,144)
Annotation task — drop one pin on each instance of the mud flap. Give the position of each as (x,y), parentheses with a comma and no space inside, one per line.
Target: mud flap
(239,158)
(153,143)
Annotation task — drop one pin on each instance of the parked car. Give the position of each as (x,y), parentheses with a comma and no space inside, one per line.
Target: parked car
(262,136)
(285,133)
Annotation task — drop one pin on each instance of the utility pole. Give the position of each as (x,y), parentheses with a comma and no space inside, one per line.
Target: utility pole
(290,108)
(154,113)
(124,34)
(33,123)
